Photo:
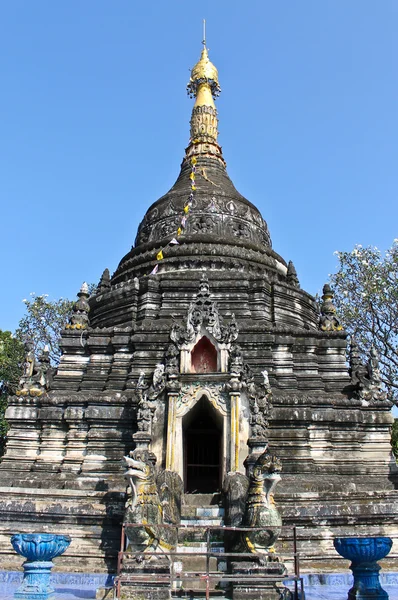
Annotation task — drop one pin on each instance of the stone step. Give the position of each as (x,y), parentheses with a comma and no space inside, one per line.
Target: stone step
(202,499)
(188,534)
(202,522)
(191,577)
(200,547)
(210,511)
(196,588)
(193,593)
(203,511)
(196,564)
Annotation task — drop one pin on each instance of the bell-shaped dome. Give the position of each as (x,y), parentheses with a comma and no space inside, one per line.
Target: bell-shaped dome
(203,207)
(218,211)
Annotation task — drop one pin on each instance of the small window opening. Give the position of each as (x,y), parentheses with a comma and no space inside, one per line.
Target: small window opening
(204,357)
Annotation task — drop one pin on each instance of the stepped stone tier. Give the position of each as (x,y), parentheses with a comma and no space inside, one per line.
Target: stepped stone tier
(200,356)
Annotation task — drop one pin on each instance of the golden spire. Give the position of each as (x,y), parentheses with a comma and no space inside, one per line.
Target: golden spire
(204,86)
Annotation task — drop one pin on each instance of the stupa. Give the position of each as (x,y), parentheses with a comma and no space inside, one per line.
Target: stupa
(202,352)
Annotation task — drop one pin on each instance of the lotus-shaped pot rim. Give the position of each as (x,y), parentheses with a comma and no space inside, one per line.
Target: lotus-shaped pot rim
(363,549)
(40,546)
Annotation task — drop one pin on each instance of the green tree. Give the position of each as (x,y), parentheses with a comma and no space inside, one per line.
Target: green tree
(11,358)
(43,323)
(366,298)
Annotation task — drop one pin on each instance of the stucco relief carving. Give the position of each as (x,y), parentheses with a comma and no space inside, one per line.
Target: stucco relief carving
(170,209)
(240,229)
(203,225)
(152,215)
(168,227)
(143,236)
(213,206)
(203,320)
(203,313)
(231,207)
(191,393)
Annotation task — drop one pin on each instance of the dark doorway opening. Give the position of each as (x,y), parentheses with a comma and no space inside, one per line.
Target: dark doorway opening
(202,448)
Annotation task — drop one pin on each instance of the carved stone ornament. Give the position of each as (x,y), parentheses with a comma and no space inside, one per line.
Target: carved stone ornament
(260,400)
(144,415)
(291,275)
(329,320)
(260,510)
(259,396)
(365,378)
(172,368)
(249,502)
(203,225)
(37,372)
(190,393)
(203,311)
(240,229)
(79,318)
(104,283)
(153,500)
(148,398)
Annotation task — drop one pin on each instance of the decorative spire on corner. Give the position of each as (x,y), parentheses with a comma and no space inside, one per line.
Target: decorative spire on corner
(357,369)
(104,282)
(204,86)
(291,275)
(329,320)
(365,378)
(81,308)
(36,372)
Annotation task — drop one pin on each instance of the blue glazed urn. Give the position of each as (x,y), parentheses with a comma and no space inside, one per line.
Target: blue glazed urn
(364,554)
(39,549)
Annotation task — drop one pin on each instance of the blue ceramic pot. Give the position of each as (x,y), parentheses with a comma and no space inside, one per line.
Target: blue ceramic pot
(364,554)
(40,546)
(360,550)
(39,549)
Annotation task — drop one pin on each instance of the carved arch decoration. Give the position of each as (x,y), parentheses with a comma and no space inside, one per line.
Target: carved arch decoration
(191,394)
(186,350)
(203,320)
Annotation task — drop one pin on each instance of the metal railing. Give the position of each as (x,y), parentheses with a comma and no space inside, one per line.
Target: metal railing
(175,576)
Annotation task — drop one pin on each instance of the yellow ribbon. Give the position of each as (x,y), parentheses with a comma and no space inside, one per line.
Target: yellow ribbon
(159,255)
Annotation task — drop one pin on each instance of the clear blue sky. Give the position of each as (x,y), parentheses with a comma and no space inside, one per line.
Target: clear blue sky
(95,119)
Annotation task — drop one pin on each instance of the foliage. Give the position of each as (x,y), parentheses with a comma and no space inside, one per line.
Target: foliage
(42,325)
(43,322)
(11,358)
(366,298)
(394,438)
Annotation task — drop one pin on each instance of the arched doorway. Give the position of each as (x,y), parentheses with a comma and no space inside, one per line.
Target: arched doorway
(202,428)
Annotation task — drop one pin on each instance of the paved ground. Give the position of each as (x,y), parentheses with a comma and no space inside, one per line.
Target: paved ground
(61,593)
(80,586)
(319,592)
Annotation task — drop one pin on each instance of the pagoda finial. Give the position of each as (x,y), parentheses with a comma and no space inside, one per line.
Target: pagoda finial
(329,320)
(203,83)
(204,86)
(79,318)
(291,275)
